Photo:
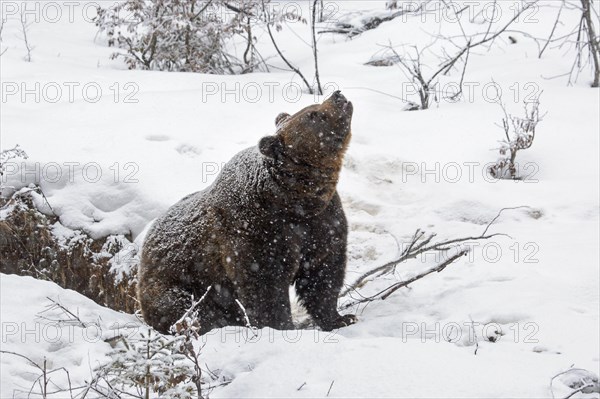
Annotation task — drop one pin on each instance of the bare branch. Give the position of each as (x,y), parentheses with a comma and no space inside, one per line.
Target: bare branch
(2,22)
(330,386)
(284,59)
(500,213)
(419,244)
(552,31)
(314,47)
(71,318)
(24,29)
(189,313)
(474,336)
(593,40)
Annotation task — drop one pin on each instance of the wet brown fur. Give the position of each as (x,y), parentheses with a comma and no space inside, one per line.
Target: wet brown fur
(272,219)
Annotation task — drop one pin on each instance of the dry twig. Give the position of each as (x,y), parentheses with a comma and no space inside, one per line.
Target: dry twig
(420,243)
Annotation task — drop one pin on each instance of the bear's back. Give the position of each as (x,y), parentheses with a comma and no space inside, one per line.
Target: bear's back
(187,230)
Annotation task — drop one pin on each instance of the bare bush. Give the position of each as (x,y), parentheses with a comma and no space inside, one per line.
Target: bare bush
(583,37)
(587,43)
(175,35)
(42,385)
(103,269)
(276,19)
(424,84)
(425,78)
(420,244)
(519,134)
(195,35)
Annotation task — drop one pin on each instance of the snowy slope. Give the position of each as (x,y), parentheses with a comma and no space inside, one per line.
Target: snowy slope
(170,137)
(33,327)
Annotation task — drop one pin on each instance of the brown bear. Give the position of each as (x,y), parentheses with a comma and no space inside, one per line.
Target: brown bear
(272,219)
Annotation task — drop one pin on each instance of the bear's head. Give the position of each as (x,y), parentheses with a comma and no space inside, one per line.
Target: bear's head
(315,137)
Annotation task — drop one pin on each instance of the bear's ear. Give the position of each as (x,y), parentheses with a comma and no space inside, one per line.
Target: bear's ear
(282,117)
(271,146)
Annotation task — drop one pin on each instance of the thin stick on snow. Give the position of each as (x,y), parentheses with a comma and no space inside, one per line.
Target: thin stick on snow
(43,379)
(248,325)
(590,385)
(2,21)
(24,28)
(500,213)
(191,309)
(72,318)
(34,364)
(330,386)
(474,336)
(419,244)
(377,91)
(580,389)
(505,27)
(244,312)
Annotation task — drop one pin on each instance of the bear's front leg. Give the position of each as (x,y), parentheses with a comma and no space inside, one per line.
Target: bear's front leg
(267,304)
(323,266)
(261,275)
(318,288)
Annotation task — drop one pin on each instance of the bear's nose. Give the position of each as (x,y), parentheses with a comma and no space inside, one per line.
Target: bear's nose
(339,98)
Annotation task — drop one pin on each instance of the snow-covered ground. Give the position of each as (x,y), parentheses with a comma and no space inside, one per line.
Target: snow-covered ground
(153,137)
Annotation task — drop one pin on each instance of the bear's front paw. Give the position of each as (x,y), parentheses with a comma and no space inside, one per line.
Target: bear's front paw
(340,322)
(348,319)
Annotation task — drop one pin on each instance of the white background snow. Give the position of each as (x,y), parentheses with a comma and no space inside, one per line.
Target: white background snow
(541,286)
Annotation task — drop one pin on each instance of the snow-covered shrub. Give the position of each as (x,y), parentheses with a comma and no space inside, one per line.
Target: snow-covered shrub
(153,363)
(38,245)
(150,365)
(519,133)
(174,35)
(6,155)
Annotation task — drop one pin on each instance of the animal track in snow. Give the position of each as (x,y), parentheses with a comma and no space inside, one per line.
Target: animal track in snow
(157,137)
(188,150)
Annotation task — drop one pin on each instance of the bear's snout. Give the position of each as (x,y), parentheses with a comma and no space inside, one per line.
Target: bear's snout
(341,102)
(339,98)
